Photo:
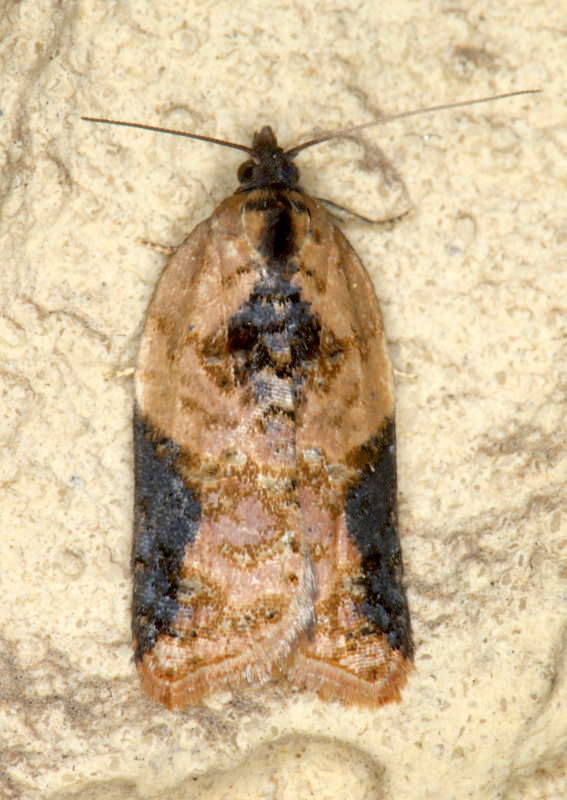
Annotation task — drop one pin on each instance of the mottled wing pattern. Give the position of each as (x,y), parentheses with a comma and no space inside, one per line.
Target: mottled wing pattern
(224,592)
(266,540)
(361,649)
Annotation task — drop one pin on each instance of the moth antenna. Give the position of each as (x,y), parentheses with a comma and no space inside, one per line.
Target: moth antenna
(154,128)
(293,151)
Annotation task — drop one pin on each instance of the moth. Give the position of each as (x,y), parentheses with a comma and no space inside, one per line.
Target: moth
(265,541)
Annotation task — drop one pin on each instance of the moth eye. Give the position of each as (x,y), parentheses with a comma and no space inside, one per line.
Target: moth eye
(246,172)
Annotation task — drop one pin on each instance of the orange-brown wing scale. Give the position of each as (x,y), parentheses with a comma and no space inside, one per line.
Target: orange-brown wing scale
(265,534)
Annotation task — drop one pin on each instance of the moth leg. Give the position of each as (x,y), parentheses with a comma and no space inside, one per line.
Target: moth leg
(162,249)
(337,210)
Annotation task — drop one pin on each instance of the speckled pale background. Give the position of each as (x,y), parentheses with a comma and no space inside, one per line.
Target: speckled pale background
(473,290)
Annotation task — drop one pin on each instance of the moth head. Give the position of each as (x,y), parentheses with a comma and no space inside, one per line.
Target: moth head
(268,165)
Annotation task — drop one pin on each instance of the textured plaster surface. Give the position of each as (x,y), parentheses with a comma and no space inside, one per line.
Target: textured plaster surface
(473,288)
